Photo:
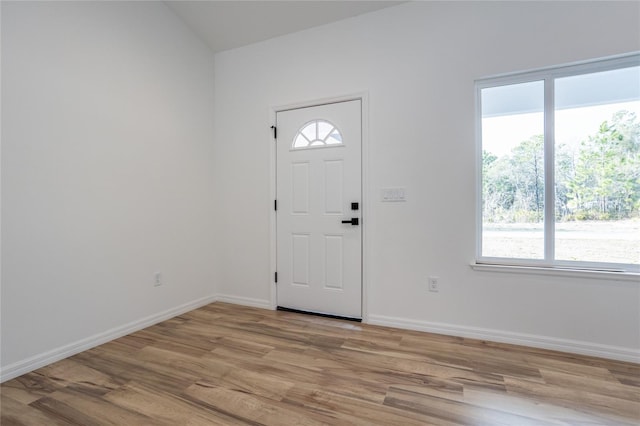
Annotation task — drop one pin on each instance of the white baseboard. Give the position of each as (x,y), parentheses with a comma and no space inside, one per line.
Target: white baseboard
(22,367)
(543,342)
(246,301)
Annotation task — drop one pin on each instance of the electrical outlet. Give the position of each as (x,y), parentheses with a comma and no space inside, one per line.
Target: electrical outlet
(158,279)
(434,285)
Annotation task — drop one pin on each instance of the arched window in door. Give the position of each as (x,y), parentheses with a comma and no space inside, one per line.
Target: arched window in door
(317,134)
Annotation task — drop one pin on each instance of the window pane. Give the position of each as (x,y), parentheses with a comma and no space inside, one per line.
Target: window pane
(513,171)
(334,138)
(597,167)
(310,131)
(300,141)
(324,128)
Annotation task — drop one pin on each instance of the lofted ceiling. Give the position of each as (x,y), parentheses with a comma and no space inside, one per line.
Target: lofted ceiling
(226,25)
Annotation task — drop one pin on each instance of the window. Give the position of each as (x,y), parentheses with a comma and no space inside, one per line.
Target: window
(316,134)
(559,165)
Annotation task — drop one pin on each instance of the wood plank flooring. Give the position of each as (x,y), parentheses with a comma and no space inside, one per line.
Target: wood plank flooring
(231,365)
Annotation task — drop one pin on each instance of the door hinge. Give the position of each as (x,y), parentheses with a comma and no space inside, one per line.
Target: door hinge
(275,205)
(275,132)
(276,277)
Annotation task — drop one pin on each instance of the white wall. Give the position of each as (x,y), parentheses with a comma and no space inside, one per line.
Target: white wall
(418,62)
(107,146)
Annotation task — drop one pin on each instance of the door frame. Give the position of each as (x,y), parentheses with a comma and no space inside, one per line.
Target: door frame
(363,97)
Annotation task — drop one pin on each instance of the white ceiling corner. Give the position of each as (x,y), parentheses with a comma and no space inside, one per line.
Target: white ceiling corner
(225,25)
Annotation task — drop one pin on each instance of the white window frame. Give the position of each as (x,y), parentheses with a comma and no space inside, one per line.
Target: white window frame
(548,75)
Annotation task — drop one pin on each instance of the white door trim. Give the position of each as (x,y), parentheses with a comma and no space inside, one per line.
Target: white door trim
(366,205)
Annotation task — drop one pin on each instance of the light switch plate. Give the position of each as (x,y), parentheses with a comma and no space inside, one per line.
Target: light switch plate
(393,194)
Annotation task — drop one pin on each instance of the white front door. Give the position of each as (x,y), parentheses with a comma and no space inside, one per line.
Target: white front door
(319,256)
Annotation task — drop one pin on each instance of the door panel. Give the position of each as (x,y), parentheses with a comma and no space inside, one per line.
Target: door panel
(319,258)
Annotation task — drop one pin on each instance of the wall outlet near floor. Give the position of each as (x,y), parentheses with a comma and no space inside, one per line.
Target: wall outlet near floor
(434,284)
(157,279)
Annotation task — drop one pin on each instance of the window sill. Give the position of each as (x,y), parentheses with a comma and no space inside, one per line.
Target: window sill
(558,272)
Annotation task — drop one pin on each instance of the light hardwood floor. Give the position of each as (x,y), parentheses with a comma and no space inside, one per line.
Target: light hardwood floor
(228,365)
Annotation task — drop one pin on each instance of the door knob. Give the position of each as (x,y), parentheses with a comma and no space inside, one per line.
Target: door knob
(353,221)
